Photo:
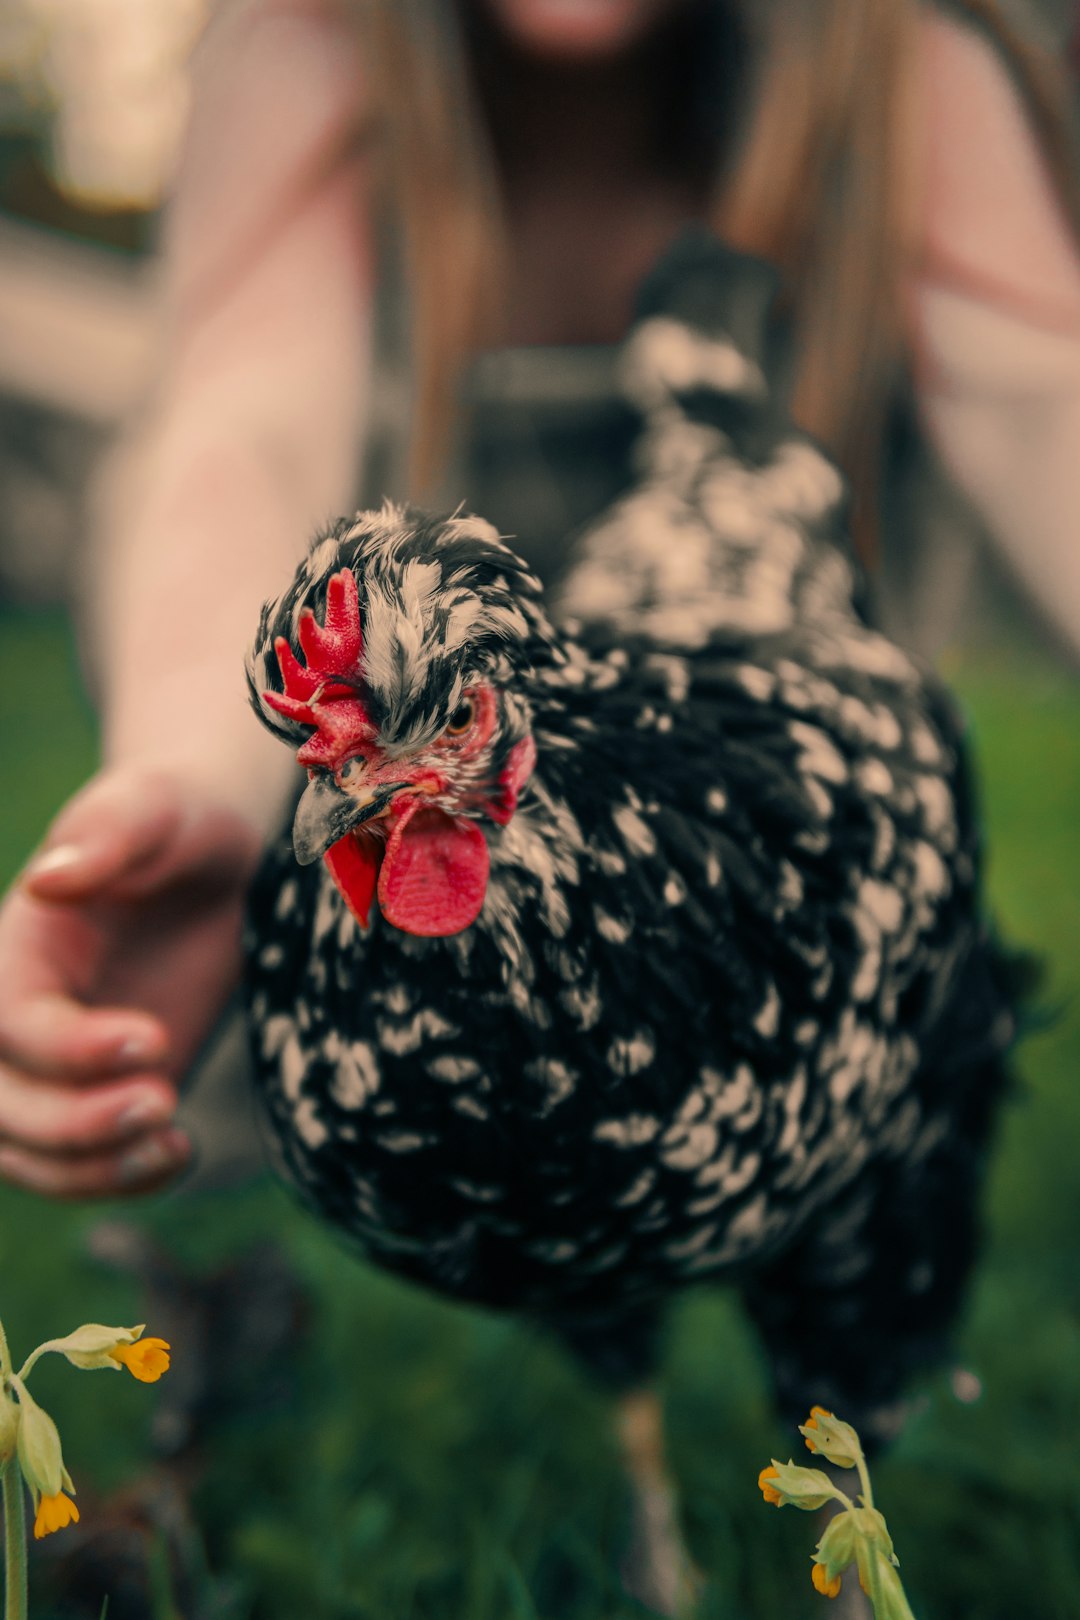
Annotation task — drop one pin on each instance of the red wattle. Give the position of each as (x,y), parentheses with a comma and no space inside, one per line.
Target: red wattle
(434,873)
(353,863)
(519,767)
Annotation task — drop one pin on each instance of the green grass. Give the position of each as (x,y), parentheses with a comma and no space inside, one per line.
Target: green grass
(440,1464)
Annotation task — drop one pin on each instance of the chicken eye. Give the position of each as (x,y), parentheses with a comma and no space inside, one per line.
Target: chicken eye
(462,718)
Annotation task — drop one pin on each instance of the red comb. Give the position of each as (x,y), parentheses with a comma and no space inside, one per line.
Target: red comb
(322,692)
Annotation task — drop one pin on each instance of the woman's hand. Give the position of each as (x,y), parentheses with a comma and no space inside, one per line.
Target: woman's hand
(119,947)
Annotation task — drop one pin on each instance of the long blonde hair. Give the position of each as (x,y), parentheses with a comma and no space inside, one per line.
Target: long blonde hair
(823,182)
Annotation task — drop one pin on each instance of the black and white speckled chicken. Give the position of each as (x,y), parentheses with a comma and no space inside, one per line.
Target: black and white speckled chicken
(645,949)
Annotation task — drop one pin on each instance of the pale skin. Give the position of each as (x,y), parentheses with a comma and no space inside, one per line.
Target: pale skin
(120,943)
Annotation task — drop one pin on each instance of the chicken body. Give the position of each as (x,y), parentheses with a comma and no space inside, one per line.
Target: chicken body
(728,1009)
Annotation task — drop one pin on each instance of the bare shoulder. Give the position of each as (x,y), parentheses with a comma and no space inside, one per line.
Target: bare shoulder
(993,223)
(236,17)
(300,57)
(278,97)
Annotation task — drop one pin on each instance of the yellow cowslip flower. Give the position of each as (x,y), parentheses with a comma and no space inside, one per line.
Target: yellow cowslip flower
(827,1434)
(819,1577)
(91,1346)
(811,1423)
(145,1359)
(789,1485)
(858,1535)
(54,1513)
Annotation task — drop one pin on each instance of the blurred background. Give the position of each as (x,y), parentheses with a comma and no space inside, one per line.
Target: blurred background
(329,1438)
(92,105)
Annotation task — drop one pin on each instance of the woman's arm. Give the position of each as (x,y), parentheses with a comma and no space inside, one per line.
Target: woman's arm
(256,429)
(121,943)
(995,319)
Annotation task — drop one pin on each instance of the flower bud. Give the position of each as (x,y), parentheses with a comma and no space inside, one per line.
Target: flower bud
(838,1546)
(788,1485)
(826,1434)
(872,1527)
(90,1346)
(39,1451)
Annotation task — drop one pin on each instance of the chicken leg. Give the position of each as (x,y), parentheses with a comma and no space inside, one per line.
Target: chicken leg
(657,1570)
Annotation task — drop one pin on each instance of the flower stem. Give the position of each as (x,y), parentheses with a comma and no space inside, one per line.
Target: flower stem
(864,1481)
(5,1353)
(14,1544)
(875,1593)
(876,1598)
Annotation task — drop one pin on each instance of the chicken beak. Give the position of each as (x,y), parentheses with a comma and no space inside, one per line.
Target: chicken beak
(326,813)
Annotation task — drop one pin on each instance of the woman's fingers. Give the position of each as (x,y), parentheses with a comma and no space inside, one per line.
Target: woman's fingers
(132,832)
(59,1038)
(95,1139)
(91,1140)
(136,1167)
(112,829)
(117,949)
(50,957)
(80,1119)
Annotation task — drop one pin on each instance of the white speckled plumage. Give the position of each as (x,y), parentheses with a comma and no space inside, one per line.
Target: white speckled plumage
(730,986)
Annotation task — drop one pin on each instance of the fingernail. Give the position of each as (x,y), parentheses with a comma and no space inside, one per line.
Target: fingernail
(142,1112)
(60,859)
(138,1048)
(149,1159)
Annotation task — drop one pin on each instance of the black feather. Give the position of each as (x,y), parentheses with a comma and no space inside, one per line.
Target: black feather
(716,1017)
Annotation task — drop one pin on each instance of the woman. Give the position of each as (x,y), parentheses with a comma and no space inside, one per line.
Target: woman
(905,168)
